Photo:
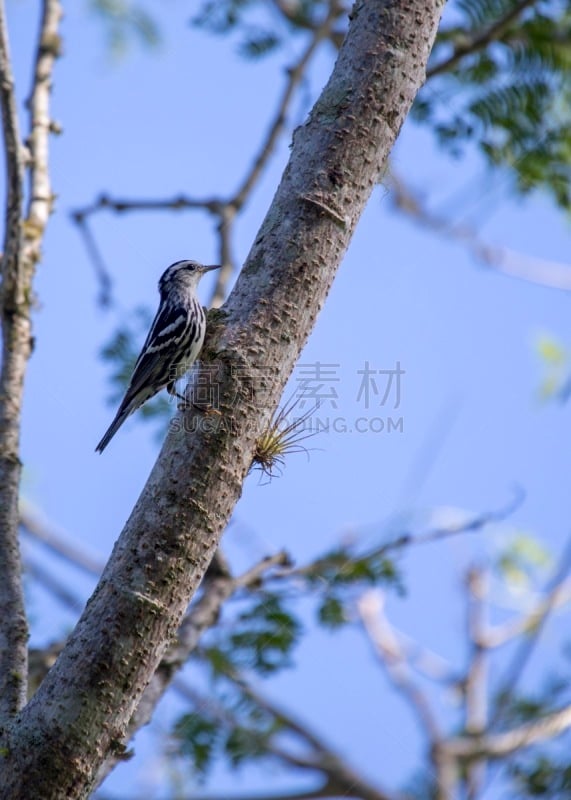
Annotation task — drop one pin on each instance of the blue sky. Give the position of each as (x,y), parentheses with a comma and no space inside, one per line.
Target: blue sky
(188,118)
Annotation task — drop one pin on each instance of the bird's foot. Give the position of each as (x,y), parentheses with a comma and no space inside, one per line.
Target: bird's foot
(207,409)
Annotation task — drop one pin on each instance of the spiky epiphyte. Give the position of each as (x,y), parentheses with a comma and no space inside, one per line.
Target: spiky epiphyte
(280,438)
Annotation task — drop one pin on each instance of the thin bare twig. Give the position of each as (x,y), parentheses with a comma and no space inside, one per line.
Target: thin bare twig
(102,273)
(477,523)
(480,39)
(58,544)
(540,271)
(295,76)
(474,525)
(224,210)
(225,717)
(325,790)
(227,216)
(13,154)
(54,586)
(285,718)
(127,205)
(82,216)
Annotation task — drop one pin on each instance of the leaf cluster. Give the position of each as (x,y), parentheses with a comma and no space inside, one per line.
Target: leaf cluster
(237,732)
(125,22)
(505,87)
(538,772)
(261,637)
(258,636)
(541,776)
(556,365)
(340,575)
(261,28)
(510,94)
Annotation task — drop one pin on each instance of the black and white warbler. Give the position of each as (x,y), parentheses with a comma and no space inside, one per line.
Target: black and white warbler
(172,345)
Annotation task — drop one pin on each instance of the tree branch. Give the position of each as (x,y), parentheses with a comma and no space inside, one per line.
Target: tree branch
(474,525)
(388,651)
(15,352)
(41,199)
(325,790)
(58,544)
(500,745)
(540,271)
(80,713)
(21,252)
(55,586)
(425,661)
(225,210)
(526,647)
(225,257)
(386,647)
(340,778)
(480,39)
(81,217)
(531,622)
(202,615)
(476,684)
(295,76)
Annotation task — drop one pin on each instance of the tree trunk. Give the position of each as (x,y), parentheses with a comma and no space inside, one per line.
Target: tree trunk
(81,711)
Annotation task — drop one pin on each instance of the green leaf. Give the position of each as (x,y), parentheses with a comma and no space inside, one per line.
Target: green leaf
(245,743)
(512,98)
(266,635)
(197,738)
(124,22)
(331,613)
(343,567)
(551,350)
(521,560)
(220,662)
(259,43)
(541,775)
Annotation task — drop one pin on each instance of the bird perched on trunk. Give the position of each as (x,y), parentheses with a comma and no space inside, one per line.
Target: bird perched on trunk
(172,345)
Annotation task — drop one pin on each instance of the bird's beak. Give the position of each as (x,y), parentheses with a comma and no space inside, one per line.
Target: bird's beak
(210,267)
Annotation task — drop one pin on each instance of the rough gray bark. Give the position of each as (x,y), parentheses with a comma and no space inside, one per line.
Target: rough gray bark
(80,714)
(15,352)
(22,241)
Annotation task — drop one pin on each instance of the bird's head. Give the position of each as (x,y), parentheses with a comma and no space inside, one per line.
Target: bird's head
(183,275)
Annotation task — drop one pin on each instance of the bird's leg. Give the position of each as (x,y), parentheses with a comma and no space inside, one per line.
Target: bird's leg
(204,408)
(208,410)
(171,389)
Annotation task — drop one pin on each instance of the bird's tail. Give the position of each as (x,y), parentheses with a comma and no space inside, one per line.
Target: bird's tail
(120,418)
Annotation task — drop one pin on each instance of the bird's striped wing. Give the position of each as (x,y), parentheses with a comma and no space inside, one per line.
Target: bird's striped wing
(160,354)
